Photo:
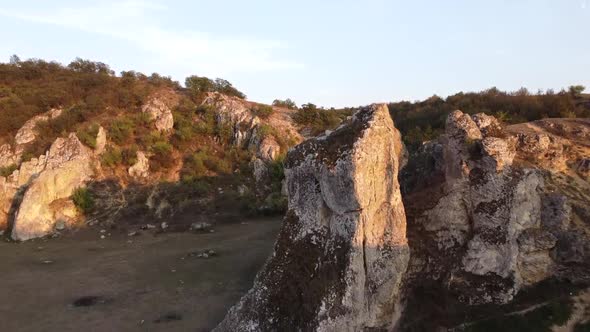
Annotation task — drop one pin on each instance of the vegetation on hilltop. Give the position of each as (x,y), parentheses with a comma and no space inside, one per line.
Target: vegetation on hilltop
(425,120)
(92,95)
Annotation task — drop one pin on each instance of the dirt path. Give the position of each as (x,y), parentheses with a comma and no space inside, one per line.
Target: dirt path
(148,284)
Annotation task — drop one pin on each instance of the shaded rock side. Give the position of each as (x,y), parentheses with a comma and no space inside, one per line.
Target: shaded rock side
(342,251)
(68,165)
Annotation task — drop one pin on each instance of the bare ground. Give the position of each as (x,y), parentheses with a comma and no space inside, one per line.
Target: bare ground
(149,282)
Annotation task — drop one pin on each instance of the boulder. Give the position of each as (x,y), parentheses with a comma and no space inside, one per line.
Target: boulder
(340,256)
(68,165)
(141,168)
(160,113)
(101,141)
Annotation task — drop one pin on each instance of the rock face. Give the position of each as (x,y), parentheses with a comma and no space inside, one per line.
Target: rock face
(248,130)
(141,168)
(160,113)
(7,156)
(340,257)
(68,166)
(486,215)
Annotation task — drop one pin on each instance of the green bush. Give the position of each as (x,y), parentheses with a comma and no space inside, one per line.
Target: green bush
(161,158)
(8,170)
(129,155)
(317,119)
(287,103)
(262,111)
(87,135)
(120,130)
(83,199)
(201,85)
(112,157)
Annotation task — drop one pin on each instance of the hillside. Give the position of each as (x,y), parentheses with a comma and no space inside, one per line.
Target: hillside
(443,214)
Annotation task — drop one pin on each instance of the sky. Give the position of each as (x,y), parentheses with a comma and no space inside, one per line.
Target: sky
(328,52)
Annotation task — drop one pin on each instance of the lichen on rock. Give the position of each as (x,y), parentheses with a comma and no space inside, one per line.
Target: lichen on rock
(342,251)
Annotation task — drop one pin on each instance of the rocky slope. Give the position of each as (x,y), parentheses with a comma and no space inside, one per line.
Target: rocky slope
(35,197)
(341,254)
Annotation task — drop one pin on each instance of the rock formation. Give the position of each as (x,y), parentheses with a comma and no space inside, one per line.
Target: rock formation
(27,134)
(160,113)
(340,257)
(68,166)
(485,213)
(36,195)
(141,168)
(247,130)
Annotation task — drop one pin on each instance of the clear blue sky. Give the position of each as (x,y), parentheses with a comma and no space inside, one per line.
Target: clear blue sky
(331,52)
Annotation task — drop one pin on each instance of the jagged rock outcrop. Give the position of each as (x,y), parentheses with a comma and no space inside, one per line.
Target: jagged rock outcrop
(141,168)
(248,130)
(160,113)
(342,251)
(36,195)
(27,133)
(68,166)
(487,211)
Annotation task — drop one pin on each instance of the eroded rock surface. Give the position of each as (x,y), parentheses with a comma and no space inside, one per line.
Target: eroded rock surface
(160,113)
(68,166)
(490,209)
(27,133)
(250,131)
(340,257)
(141,168)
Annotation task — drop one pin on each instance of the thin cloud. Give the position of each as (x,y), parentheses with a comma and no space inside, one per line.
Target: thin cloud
(130,21)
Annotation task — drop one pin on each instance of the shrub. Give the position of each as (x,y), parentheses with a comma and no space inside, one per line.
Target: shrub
(83,199)
(129,155)
(87,135)
(162,157)
(317,119)
(112,157)
(262,111)
(201,85)
(120,130)
(287,103)
(8,170)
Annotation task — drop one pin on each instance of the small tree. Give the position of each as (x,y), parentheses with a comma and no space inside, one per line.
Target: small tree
(287,103)
(576,90)
(14,59)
